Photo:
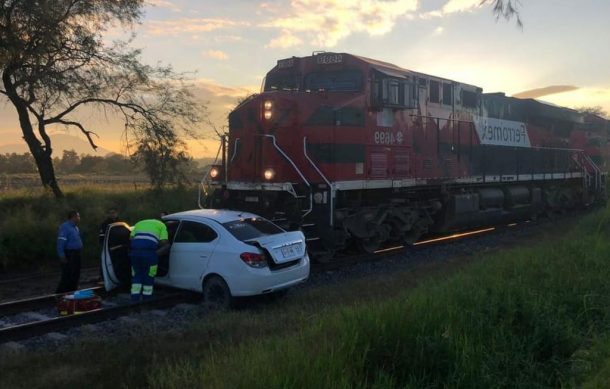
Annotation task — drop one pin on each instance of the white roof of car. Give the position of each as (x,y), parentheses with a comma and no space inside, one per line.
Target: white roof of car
(219,215)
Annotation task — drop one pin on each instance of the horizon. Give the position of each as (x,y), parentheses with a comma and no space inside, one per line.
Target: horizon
(556,57)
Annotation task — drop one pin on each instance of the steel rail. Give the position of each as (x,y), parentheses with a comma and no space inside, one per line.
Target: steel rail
(32,276)
(433,240)
(42,327)
(18,306)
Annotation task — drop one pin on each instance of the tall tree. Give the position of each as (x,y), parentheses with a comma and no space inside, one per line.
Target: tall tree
(159,152)
(54,62)
(69,161)
(595,110)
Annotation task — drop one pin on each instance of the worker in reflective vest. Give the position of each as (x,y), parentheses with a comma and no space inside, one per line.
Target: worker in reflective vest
(147,238)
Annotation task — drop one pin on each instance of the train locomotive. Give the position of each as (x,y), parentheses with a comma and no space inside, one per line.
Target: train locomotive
(361,153)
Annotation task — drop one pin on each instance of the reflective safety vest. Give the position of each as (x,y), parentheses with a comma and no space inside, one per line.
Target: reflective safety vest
(151,229)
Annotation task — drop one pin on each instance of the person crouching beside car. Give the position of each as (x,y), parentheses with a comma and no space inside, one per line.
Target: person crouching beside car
(148,237)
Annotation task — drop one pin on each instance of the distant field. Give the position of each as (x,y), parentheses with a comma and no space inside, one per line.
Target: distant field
(19,182)
(9,182)
(29,216)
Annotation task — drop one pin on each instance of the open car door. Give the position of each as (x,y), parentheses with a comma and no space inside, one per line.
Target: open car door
(116,267)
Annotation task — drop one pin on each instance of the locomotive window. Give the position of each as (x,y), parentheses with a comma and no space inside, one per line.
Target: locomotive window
(434,92)
(447,94)
(469,99)
(392,92)
(281,81)
(342,81)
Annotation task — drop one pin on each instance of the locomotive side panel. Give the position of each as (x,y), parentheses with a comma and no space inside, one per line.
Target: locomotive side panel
(353,150)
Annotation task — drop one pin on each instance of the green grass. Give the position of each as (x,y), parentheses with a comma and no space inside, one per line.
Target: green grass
(527,317)
(29,219)
(516,319)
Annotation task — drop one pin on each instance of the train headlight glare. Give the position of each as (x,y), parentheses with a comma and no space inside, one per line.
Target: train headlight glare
(269,174)
(268,105)
(214,172)
(268,115)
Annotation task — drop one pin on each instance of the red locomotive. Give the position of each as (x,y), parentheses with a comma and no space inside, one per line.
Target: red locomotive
(357,151)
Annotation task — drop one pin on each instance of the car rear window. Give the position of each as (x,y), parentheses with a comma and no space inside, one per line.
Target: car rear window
(246,229)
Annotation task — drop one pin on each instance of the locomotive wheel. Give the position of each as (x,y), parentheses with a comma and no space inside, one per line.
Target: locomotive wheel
(369,245)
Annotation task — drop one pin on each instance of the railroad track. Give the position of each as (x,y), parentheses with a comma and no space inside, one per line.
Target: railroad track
(37,275)
(166,298)
(352,259)
(37,323)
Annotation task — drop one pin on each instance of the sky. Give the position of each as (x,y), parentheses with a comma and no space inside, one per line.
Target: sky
(560,55)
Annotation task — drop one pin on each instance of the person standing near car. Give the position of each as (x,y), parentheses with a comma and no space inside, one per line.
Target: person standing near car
(148,238)
(111,217)
(69,248)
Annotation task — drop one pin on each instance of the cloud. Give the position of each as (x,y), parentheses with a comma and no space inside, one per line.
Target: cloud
(438,31)
(325,22)
(590,96)
(453,6)
(174,27)
(211,88)
(164,4)
(548,90)
(217,54)
(285,40)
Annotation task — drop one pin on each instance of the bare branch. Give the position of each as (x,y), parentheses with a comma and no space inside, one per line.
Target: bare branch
(87,133)
(506,9)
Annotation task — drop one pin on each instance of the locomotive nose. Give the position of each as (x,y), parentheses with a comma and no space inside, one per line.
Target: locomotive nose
(277,112)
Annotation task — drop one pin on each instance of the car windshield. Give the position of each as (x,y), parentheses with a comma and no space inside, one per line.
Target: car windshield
(246,229)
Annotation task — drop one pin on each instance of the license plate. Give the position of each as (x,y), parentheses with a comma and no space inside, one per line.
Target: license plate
(290,251)
(251,199)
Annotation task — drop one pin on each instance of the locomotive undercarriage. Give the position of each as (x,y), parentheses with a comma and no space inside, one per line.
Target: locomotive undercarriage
(369,220)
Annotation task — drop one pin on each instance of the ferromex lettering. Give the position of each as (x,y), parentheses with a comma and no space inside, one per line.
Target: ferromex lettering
(500,132)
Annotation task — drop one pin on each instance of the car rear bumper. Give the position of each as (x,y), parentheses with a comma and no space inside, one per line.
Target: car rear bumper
(261,281)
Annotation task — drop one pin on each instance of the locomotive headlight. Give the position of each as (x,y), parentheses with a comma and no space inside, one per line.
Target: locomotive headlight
(214,172)
(269,174)
(267,109)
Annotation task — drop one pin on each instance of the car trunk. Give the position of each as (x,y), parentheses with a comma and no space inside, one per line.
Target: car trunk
(283,248)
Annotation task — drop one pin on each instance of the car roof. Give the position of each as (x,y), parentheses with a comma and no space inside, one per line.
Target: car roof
(219,215)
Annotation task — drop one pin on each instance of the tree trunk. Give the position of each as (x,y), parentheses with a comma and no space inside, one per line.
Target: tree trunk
(41,154)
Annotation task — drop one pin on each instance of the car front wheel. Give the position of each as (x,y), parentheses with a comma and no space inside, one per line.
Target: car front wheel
(216,293)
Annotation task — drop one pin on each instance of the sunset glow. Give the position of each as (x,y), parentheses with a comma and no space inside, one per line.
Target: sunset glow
(229,46)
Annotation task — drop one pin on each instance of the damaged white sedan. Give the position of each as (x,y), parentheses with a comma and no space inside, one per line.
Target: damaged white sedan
(220,253)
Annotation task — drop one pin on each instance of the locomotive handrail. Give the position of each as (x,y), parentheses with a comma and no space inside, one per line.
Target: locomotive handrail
(597,171)
(296,169)
(332,188)
(204,180)
(234,150)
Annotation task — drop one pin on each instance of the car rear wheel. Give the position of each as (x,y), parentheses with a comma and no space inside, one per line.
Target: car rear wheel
(216,293)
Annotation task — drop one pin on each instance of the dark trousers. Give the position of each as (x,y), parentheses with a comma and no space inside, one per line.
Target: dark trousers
(70,272)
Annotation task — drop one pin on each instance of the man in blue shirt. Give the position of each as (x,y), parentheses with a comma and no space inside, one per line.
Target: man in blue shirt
(69,247)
